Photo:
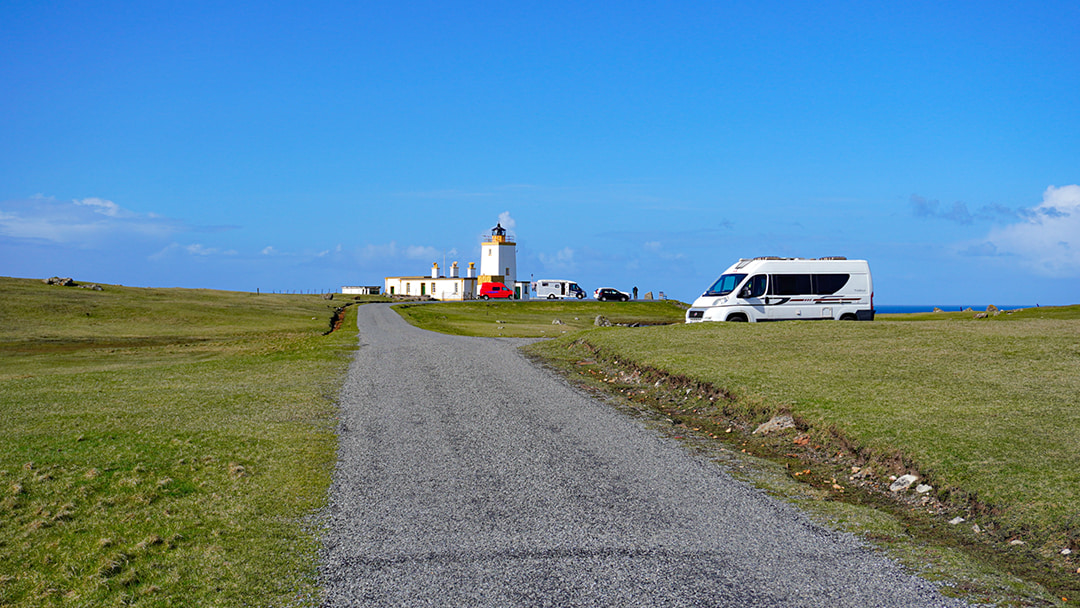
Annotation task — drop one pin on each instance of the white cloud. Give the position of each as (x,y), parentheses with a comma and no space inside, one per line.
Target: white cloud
(86,222)
(268,250)
(197,250)
(562,260)
(507,222)
(102,206)
(656,248)
(418,252)
(1048,238)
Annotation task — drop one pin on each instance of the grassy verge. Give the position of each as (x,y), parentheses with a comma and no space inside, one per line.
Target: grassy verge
(535,318)
(163,447)
(986,412)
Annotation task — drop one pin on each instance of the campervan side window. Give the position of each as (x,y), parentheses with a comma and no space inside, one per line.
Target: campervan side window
(755,287)
(725,284)
(790,285)
(828,284)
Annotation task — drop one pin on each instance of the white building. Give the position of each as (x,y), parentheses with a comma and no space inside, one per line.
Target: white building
(360,290)
(498,259)
(435,285)
(498,264)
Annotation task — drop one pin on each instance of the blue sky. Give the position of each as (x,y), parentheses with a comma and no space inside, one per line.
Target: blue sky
(305,146)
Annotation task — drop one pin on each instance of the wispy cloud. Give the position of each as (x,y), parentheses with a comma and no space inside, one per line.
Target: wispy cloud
(196,250)
(656,250)
(1046,238)
(85,222)
(507,222)
(562,259)
(958,211)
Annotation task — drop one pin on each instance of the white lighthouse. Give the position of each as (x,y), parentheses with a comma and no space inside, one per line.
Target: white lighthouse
(498,259)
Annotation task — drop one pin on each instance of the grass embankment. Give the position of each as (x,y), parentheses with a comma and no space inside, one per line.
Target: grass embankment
(986,411)
(163,447)
(534,319)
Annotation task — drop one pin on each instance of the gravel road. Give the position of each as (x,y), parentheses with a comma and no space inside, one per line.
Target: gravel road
(469,477)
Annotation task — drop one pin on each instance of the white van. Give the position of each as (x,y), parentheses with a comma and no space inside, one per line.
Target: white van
(778,289)
(557,289)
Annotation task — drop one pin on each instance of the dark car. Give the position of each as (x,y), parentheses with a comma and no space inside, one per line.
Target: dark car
(609,294)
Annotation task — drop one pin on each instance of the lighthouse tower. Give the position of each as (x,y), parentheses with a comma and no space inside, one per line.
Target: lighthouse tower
(498,259)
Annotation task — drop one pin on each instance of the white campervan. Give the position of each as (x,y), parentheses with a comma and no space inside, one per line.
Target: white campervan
(557,289)
(778,289)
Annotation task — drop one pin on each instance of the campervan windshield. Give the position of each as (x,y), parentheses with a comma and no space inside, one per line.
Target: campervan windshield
(725,285)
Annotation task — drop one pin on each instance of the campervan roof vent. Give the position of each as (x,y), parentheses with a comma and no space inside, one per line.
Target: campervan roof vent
(835,257)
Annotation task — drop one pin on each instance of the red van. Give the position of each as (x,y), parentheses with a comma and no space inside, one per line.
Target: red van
(495,290)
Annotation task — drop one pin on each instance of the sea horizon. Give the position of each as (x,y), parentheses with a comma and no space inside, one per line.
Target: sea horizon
(912,308)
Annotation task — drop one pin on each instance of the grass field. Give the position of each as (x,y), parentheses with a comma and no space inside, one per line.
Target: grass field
(163,447)
(535,318)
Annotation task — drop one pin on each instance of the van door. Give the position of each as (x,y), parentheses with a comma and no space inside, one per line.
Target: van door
(752,295)
(788,297)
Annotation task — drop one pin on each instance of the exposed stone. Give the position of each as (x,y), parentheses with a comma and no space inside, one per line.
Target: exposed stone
(1017,542)
(862,473)
(1066,551)
(557,322)
(61,281)
(902,483)
(601,321)
(648,295)
(936,309)
(957,521)
(981,315)
(923,488)
(94,287)
(776,423)
(991,308)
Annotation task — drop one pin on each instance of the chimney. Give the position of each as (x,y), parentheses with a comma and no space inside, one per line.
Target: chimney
(453,271)
(472,270)
(435,270)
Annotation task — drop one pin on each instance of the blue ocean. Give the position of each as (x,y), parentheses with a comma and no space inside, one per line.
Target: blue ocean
(909,308)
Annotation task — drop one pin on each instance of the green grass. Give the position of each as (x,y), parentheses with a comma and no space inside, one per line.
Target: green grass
(163,447)
(535,318)
(987,411)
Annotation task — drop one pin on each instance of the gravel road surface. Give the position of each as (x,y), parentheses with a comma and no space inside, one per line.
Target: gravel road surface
(469,477)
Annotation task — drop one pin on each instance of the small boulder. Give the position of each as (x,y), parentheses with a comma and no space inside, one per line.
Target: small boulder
(601,321)
(776,423)
(902,483)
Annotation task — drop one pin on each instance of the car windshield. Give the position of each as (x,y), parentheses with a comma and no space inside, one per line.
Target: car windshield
(725,285)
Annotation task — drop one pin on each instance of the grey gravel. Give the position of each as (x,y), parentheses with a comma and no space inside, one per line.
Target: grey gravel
(469,477)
